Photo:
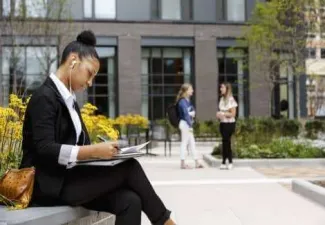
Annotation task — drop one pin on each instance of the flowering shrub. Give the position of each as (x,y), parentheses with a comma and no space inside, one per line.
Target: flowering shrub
(98,124)
(132,119)
(11,120)
(11,123)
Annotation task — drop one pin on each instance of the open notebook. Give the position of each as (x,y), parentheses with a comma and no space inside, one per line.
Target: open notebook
(125,154)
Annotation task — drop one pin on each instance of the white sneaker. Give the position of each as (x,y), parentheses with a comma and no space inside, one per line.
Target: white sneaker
(230,166)
(223,166)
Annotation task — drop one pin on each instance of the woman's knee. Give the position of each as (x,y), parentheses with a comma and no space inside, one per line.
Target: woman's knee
(132,201)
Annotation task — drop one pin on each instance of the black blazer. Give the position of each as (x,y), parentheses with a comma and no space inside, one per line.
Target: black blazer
(47,126)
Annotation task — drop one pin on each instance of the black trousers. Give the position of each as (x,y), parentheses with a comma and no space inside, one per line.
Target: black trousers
(123,190)
(226,130)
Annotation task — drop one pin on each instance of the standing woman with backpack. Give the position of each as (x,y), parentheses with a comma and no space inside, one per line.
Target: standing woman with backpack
(186,113)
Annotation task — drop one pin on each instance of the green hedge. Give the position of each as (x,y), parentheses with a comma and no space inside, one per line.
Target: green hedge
(313,127)
(279,148)
(258,130)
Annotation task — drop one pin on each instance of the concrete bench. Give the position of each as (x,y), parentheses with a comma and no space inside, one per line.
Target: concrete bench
(60,215)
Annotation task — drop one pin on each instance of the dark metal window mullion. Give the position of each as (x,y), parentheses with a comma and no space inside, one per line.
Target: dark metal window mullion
(225,10)
(163,80)
(150,84)
(93,15)
(225,65)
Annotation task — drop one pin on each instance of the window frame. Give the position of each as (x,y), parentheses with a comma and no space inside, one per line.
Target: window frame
(224,10)
(157,13)
(116,81)
(246,77)
(150,75)
(25,46)
(93,11)
(24,14)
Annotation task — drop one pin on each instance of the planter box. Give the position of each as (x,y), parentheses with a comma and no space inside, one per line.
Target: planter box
(309,190)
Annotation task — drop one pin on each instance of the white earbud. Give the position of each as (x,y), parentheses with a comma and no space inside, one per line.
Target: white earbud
(73,63)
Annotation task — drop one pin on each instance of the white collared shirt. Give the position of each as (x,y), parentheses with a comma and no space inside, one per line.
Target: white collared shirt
(69,99)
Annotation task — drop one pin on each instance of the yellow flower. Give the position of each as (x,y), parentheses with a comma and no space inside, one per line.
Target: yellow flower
(98,124)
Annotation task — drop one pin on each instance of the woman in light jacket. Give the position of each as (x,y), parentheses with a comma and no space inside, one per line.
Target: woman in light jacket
(186,113)
(226,115)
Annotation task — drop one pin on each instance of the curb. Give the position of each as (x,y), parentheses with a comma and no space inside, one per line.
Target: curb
(213,162)
(309,190)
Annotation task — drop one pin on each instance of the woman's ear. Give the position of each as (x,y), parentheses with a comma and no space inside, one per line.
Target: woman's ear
(73,60)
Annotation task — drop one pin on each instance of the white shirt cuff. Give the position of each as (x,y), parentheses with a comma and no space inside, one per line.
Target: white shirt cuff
(74,154)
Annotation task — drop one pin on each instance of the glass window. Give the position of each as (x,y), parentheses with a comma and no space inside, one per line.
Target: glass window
(102,93)
(171,9)
(187,9)
(25,68)
(311,53)
(220,9)
(105,9)
(164,70)
(322,53)
(88,8)
(36,8)
(236,10)
(232,70)
(6,7)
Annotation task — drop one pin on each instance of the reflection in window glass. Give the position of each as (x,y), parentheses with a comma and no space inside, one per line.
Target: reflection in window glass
(102,94)
(236,10)
(88,8)
(6,7)
(164,70)
(105,9)
(25,68)
(36,8)
(231,70)
(171,9)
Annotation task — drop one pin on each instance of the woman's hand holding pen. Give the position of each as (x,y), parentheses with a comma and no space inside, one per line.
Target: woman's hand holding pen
(103,150)
(106,150)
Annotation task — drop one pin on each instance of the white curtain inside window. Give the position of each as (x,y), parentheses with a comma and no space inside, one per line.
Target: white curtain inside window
(111,85)
(88,8)
(39,62)
(187,66)
(27,66)
(36,8)
(171,9)
(18,7)
(172,53)
(6,7)
(105,9)
(236,10)
(145,88)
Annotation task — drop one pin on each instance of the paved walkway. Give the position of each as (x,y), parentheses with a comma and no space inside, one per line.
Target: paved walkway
(242,196)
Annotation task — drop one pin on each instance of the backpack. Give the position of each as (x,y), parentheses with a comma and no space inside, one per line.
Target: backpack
(172,115)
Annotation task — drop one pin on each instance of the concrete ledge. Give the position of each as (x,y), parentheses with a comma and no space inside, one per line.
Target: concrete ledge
(54,216)
(309,190)
(213,162)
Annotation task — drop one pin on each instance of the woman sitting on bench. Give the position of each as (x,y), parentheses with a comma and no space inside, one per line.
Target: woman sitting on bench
(54,135)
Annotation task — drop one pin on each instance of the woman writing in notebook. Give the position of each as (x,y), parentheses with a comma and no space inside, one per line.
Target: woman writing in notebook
(54,136)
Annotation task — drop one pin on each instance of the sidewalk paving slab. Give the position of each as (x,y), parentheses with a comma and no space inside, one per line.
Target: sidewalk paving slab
(196,199)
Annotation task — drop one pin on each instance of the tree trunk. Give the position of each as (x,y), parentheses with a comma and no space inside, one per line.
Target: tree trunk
(297,90)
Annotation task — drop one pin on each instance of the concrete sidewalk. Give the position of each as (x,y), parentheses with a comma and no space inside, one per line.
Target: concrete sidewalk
(238,197)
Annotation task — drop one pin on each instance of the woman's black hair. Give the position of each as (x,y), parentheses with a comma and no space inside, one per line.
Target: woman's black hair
(84,46)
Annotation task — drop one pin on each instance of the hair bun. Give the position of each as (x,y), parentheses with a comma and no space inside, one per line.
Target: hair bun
(87,37)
